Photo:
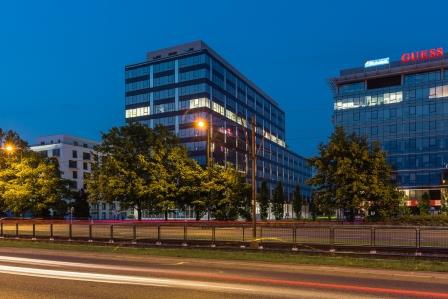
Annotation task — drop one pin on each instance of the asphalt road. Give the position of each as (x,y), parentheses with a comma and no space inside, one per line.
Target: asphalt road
(32,273)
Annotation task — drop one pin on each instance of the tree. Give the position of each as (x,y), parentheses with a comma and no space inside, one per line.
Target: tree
(28,181)
(312,207)
(297,202)
(383,197)
(145,168)
(404,209)
(424,204)
(264,198)
(444,201)
(80,204)
(278,202)
(228,192)
(353,176)
(126,167)
(178,181)
(213,188)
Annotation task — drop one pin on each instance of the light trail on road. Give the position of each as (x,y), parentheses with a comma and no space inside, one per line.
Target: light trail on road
(222,283)
(166,283)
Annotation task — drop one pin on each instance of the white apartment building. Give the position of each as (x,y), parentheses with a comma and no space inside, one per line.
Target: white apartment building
(75,156)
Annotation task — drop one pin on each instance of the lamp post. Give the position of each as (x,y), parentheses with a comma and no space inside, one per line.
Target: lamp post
(254,184)
(203,124)
(207,125)
(253,154)
(10,148)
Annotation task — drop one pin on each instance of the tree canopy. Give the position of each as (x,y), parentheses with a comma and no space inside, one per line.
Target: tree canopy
(132,168)
(229,193)
(148,169)
(278,202)
(28,181)
(297,202)
(264,200)
(354,176)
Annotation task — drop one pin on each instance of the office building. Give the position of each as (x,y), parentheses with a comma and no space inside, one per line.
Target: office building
(75,156)
(177,86)
(403,104)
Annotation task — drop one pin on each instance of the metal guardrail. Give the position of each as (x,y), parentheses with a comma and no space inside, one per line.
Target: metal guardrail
(292,236)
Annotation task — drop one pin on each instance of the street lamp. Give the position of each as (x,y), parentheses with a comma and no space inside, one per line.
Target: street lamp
(203,124)
(207,125)
(9,148)
(253,151)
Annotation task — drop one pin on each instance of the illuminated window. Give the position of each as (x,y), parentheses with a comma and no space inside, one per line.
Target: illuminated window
(218,108)
(194,103)
(368,100)
(137,112)
(438,92)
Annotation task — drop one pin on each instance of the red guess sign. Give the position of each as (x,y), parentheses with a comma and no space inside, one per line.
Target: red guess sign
(422,55)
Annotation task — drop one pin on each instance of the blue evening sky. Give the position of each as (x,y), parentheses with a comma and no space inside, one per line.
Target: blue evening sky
(62,62)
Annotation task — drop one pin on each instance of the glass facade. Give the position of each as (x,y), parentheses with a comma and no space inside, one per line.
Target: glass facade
(405,108)
(176,90)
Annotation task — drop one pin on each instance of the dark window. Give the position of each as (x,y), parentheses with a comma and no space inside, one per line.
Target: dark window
(73,184)
(74,154)
(85,145)
(384,82)
(86,156)
(75,174)
(72,164)
(56,152)
(85,166)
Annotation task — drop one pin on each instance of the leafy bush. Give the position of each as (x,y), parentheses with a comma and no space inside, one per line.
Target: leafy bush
(434,220)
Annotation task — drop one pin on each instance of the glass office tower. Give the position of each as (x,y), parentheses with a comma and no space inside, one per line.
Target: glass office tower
(404,106)
(177,86)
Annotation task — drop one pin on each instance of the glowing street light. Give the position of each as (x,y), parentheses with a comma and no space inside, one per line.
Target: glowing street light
(206,125)
(201,124)
(9,148)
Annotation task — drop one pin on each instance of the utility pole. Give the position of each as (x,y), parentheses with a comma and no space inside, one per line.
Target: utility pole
(254,184)
(209,140)
(209,151)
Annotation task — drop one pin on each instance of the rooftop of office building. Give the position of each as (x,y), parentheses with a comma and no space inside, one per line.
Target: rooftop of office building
(409,62)
(65,139)
(194,48)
